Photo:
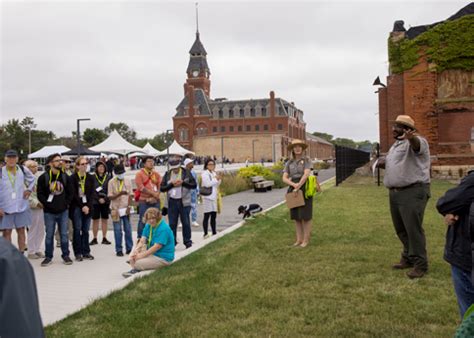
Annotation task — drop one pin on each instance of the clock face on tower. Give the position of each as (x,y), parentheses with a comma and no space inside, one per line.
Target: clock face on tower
(195,73)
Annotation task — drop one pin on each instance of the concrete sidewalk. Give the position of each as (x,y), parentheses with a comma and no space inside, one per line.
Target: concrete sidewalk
(64,290)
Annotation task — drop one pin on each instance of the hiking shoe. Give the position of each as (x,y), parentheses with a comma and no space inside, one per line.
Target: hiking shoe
(105,241)
(93,242)
(195,224)
(188,245)
(120,254)
(47,261)
(79,258)
(128,252)
(403,264)
(67,260)
(130,273)
(33,256)
(39,254)
(88,256)
(416,273)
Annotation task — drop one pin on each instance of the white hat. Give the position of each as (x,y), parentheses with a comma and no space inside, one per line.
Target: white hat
(187,161)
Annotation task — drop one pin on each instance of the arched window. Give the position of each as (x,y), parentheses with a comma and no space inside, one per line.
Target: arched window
(201,130)
(183,133)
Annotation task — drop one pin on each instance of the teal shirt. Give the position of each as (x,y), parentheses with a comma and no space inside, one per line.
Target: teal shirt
(162,235)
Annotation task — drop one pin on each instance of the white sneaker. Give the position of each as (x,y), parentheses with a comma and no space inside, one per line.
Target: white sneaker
(195,224)
(206,236)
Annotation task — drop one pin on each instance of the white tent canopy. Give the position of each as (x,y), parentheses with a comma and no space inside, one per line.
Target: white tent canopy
(48,150)
(150,150)
(176,149)
(115,144)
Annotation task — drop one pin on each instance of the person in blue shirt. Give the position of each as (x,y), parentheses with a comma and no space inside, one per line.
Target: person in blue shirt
(156,246)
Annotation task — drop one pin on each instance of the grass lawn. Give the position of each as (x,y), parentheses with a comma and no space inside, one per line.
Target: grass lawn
(252,283)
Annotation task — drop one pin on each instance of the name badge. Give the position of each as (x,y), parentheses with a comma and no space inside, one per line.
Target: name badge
(14,195)
(50,198)
(99,189)
(84,199)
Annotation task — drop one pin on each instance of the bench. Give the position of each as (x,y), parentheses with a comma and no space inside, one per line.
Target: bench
(262,185)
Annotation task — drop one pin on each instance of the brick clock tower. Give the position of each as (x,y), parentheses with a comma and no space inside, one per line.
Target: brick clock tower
(198,70)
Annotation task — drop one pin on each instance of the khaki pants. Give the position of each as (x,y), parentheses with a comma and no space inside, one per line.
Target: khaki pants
(150,263)
(69,232)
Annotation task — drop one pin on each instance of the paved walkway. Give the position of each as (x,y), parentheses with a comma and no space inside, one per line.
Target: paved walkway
(64,290)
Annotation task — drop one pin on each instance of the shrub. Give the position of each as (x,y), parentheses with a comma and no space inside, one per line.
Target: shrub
(321,165)
(267,173)
(232,184)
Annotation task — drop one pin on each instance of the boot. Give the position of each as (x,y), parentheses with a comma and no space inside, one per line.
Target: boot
(403,264)
(416,272)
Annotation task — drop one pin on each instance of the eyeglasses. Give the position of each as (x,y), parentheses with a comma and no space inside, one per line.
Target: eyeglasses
(211,164)
(82,163)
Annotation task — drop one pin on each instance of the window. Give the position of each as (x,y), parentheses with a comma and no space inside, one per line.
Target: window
(257,128)
(252,112)
(280,126)
(221,114)
(241,112)
(231,128)
(222,129)
(265,127)
(239,128)
(201,130)
(281,111)
(214,129)
(264,111)
(248,127)
(231,113)
(183,134)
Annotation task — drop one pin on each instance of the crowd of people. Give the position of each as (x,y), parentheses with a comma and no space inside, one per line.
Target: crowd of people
(65,199)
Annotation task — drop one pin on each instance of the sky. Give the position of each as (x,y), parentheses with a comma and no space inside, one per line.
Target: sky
(126,62)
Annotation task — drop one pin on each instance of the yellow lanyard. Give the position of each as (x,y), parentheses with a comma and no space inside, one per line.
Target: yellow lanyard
(82,182)
(120,187)
(103,180)
(150,236)
(150,175)
(12,181)
(51,178)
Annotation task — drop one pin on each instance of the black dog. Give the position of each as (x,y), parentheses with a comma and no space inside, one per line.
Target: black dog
(249,210)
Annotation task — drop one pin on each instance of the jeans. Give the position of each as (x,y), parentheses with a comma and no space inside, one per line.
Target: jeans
(175,210)
(142,208)
(194,214)
(80,240)
(50,221)
(463,287)
(125,220)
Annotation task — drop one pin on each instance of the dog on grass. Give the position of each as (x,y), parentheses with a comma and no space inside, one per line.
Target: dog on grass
(249,210)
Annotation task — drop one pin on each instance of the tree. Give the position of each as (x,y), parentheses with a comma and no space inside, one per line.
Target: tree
(93,136)
(345,142)
(124,130)
(327,137)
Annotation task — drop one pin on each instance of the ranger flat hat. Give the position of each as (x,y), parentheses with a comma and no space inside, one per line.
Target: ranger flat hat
(297,142)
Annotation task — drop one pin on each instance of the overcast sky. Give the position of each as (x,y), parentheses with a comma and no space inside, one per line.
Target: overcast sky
(126,61)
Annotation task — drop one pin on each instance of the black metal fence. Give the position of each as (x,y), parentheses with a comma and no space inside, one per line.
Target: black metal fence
(347,161)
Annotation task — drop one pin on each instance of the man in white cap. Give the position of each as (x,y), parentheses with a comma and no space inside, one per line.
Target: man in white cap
(407,176)
(189,164)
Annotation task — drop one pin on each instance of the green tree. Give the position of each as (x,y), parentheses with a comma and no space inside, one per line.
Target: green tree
(93,136)
(327,137)
(123,129)
(345,142)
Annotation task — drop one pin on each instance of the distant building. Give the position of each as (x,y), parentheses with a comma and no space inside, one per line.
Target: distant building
(319,148)
(238,129)
(431,79)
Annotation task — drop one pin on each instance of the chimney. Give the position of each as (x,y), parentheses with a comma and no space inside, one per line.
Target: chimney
(272,110)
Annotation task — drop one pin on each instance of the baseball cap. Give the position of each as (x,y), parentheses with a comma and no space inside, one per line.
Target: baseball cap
(187,161)
(11,153)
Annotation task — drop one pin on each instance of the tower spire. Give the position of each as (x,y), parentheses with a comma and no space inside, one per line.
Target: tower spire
(197,19)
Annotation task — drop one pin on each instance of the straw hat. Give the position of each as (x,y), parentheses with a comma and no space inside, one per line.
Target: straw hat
(406,121)
(297,142)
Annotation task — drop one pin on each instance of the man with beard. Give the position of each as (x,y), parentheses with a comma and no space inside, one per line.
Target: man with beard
(407,176)
(55,192)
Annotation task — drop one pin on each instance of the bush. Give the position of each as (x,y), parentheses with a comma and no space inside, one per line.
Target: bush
(232,184)
(321,165)
(273,174)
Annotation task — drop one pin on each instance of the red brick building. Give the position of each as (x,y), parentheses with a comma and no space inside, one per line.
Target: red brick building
(237,129)
(435,90)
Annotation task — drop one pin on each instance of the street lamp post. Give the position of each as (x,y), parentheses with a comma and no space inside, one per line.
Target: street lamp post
(222,151)
(79,135)
(168,149)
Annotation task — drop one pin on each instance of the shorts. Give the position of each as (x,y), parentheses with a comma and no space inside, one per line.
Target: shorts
(100,211)
(16,220)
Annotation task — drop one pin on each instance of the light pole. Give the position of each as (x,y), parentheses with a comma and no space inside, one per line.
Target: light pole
(79,135)
(168,149)
(222,150)
(253,151)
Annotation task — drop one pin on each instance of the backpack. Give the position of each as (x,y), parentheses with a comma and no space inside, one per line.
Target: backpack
(310,187)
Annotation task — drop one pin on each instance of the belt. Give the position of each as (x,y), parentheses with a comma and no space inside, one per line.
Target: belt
(409,186)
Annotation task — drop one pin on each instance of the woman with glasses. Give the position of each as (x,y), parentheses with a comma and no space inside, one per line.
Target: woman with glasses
(156,246)
(81,209)
(209,178)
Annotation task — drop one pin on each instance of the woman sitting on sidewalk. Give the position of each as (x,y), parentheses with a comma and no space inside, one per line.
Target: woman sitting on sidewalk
(156,246)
